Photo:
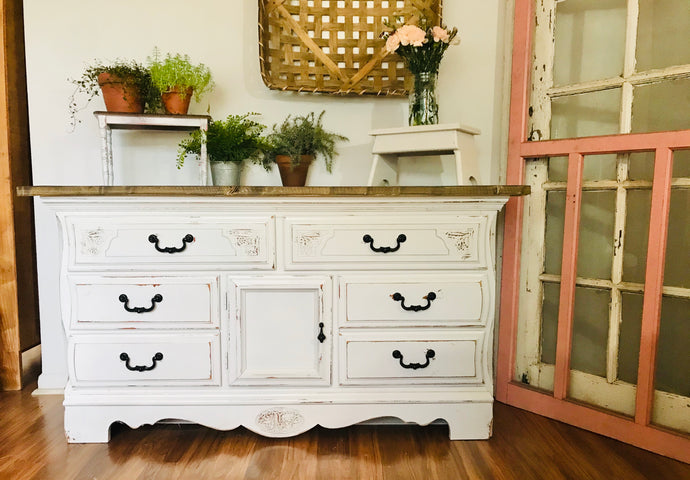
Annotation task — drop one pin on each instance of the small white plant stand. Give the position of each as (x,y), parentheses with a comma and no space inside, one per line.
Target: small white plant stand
(446,139)
(109,121)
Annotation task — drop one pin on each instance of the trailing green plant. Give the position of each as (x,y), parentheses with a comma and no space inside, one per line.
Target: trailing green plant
(177,71)
(303,135)
(231,140)
(129,71)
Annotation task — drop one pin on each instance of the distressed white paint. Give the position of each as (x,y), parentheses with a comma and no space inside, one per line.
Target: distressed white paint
(392,143)
(631,287)
(187,300)
(619,396)
(319,242)
(243,240)
(368,300)
(528,346)
(107,122)
(258,360)
(274,324)
(639,78)
(619,233)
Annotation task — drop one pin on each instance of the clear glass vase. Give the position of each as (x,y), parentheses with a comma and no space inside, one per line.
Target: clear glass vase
(423,103)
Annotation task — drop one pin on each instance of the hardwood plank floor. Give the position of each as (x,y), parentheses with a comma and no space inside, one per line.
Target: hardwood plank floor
(524,447)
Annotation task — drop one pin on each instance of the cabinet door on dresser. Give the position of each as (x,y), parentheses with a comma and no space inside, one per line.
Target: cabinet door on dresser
(280,330)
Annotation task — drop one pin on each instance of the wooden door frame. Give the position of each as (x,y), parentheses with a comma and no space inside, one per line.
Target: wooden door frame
(638,430)
(19,328)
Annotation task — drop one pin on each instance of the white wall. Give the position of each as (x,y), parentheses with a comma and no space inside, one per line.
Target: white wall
(64,36)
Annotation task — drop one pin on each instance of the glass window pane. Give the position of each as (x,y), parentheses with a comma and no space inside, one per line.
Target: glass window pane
(629,339)
(549,322)
(590,330)
(599,167)
(673,351)
(558,169)
(582,27)
(586,114)
(676,271)
(555,214)
(595,249)
(636,235)
(641,166)
(672,377)
(662,34)
(681,164)
(661,106)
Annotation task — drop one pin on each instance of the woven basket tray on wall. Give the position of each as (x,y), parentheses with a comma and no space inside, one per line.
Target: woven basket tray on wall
(333,46)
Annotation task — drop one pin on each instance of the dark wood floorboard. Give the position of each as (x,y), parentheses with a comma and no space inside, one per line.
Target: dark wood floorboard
(524,447)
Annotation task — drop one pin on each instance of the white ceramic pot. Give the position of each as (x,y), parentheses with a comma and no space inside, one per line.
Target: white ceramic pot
(225,173)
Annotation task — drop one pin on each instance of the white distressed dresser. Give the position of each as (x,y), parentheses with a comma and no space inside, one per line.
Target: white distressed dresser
(277,308)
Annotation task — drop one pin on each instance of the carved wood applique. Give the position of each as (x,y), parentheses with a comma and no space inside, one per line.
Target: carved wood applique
(93,242)
(279,420)
(246,241)
(465,242)
(309,243)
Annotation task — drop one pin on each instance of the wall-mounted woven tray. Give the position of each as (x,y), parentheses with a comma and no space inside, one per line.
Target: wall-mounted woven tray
(333,46)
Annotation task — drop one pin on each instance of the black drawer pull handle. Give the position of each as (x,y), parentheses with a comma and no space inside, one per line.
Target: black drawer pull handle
(321,337)
(414,366)
(431,296)
(185,240)
(157,298)
(401,239)
(141,368)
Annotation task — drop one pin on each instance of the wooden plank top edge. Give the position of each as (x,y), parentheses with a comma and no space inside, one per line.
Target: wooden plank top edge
(148,115)
(443,127)
(258,191)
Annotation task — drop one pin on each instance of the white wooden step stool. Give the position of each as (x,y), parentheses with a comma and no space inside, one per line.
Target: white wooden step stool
(446,139)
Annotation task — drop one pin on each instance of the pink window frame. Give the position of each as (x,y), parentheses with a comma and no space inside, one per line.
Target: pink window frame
(638,430)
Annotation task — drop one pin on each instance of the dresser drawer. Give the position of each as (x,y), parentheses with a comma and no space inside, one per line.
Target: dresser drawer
(425,356)
(409,299)
(109,301)
(144,359)
(150,240)
(410,242)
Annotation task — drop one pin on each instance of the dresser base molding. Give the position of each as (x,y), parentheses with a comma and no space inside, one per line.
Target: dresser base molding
(91,423)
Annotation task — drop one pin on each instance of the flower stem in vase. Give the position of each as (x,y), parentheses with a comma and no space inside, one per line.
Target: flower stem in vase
(423,106)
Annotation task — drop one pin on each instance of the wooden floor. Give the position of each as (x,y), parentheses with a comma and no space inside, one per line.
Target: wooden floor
(524,447)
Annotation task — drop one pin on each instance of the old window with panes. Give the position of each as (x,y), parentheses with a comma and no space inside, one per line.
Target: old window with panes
(606,67)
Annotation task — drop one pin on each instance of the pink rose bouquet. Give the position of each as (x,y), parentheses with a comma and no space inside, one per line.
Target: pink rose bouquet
(420,48)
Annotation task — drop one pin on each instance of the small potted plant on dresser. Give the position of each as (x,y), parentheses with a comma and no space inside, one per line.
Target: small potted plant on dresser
(125,84)
(295,144)
(178,80)
(229,142)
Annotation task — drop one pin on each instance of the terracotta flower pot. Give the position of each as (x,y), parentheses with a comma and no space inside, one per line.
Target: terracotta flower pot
(118,95)
(176,101)
(294,177)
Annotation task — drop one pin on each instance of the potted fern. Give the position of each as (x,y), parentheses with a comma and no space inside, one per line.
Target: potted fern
(229,142)
(296,142)
(125,84)
(178,80)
